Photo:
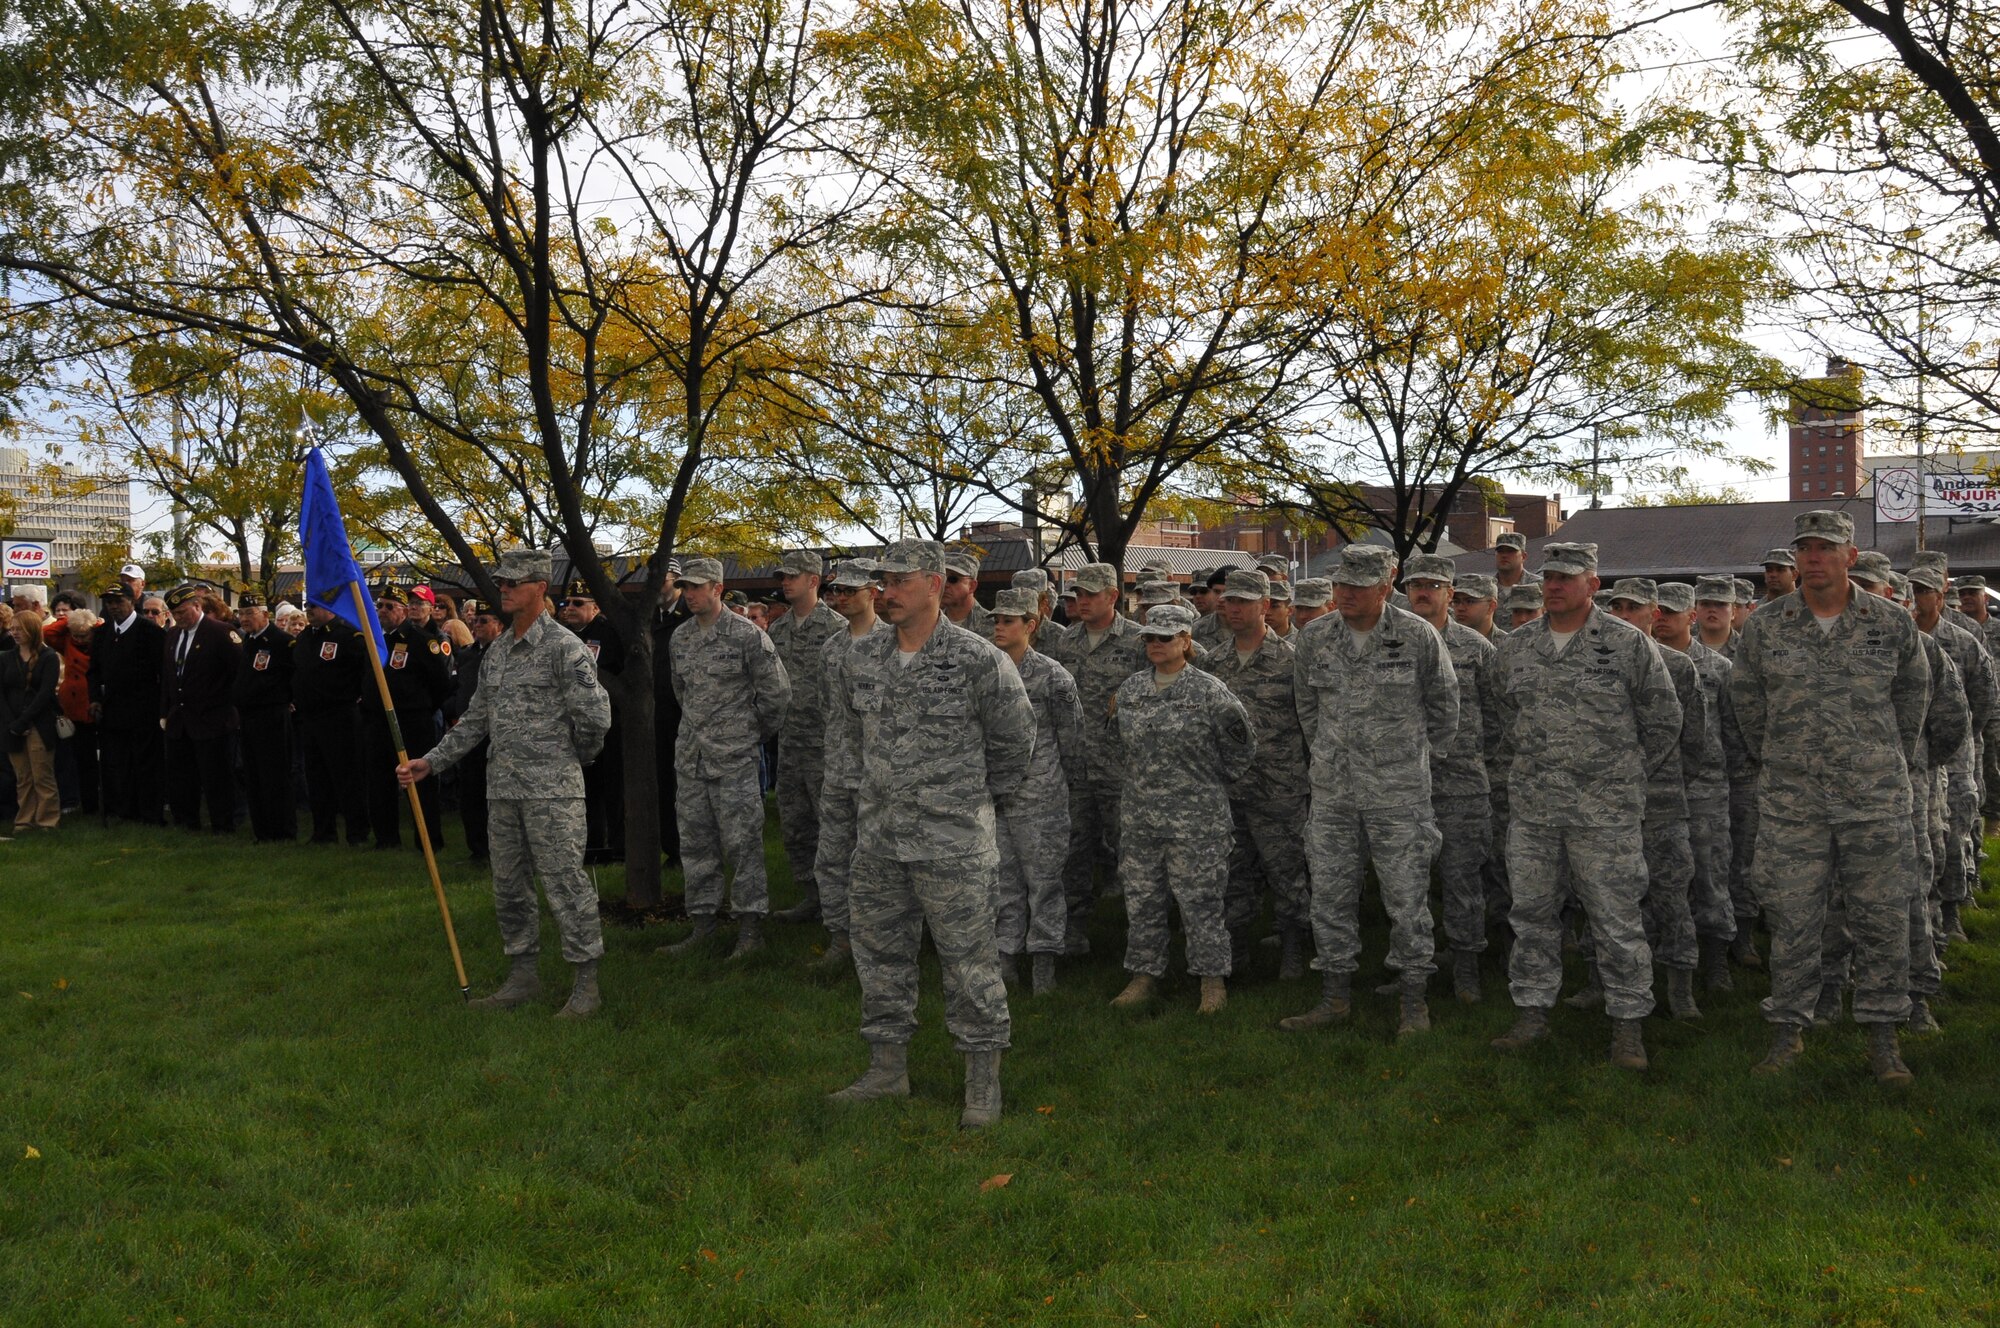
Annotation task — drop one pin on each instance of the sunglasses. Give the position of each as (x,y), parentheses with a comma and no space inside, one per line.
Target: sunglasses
(504,583)
(953,578)
(577,603)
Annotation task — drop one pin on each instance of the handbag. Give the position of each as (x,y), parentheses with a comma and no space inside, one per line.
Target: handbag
(65,727)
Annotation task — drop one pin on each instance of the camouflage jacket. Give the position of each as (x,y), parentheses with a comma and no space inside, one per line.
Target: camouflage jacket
(1460,768)
(541,709)
(1058,726)
(1185,744)
(1098,674)
(799,645)
(1666,789)
(1585,729)
(1721,745)
(1265,687)
(1975,673)
(733,692)
(942,737)
(1834,716)
(978,621)
(842,733)
(1211,632)
(1374,708)
(1948,721)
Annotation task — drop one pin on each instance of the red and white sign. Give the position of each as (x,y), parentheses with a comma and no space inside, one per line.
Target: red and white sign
(27,559)
(1961,496)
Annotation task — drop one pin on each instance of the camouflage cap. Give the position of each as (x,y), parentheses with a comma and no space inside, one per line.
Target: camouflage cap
(701,571)
(853,574)
(1281,592)
(1199,577)
(1364,565)
(1017,602)
(1429,567)
(1158,592)
(1314,592)
(1746,591)
(1165,620)
(962,560)
(1094,578)
(1638,589)
(1512,540)
(1965,583)
(1833,527)
(1275,562)
(1147,575)
(1871,566)
(526,565)
(1246,583)
(1526,595)
(1476,585)
(1926,578)
(801,562)
(1676,596)
(912,555)
(1779,558)
(1569,559)
(1601,598)
(1031,578)
(1715,590)
(1157,564)
(1899,588)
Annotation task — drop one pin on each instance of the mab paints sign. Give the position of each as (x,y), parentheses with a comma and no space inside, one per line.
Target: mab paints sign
(27,560)
(1897,492)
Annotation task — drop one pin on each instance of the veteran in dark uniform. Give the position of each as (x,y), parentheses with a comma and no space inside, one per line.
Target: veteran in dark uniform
(125,655)
(264,704)
(604,778)
(419,673)
(330,676)
(198,702)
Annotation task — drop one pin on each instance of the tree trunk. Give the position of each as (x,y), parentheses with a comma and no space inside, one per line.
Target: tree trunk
(642,773)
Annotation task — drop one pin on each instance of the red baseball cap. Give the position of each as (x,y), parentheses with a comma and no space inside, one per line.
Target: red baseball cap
(425,594)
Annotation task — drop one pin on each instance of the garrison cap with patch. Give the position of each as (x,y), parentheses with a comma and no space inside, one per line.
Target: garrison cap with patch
(479,608)
(1017,602)
(854,574)
(1512,540)
(1157,592)
(1833,527)
(1163,620)
(578,588)
(387,590)
(1965,583)
(961,560)
(1779,558)
(1429,567)
(116,590)
(801,562)
(1312,593)
(1246,583)
(912,555)
(1715,590)
(1638,589)
(1364,565)
(183,594)
(1095,578)
(1526,595)
(527,565)
(249,601)
(1476,585)
(1926,578)
(1676,596)
(1872,566)
(1031,578)
(1569,559)
(701,571)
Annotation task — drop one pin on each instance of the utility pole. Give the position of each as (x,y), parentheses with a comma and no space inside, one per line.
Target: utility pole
(1596,484)
(1923,480)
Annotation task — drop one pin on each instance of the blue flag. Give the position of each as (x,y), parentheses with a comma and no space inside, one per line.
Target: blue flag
(331,572)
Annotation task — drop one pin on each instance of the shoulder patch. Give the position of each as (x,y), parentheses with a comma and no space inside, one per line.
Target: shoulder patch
(436,648)
(234,638)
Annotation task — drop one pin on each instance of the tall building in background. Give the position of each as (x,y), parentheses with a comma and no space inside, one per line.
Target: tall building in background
(1826,433)
(71,508)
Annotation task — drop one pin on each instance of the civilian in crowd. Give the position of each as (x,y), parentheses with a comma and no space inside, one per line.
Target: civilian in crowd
(154,610)
(76,754)
(29,674)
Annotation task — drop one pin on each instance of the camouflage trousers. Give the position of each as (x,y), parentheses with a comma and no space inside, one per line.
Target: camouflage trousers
(1708,897)
(801,772)
(834,862)
(1267,847)
(1743,818)
(1190,873)
(1961,815)
(530,837)
(1499,894)
(1606,876)
(1872,865)
(722,819)
(1467,826)
(889,904)
(1670,930)
(1989,780)
(1401,842)
(1093,842)
(1030,911)
(1837,942)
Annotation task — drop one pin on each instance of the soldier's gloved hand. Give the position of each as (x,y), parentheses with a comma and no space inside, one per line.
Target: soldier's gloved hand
(412,771)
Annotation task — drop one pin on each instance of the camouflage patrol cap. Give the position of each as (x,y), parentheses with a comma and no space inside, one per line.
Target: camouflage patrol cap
(1281,592)
(1899,588)
(912,555)
(1315,592)
(1930,558)
(1779,558)
(1833,527)
(1926,578)
(1430,567)
(1157,592)
(801,562)
(525,565)
(1476,585)
(1675,596)
(1715,590)
(1601,598)
(1275,564)
(1512,540)
(1638,589)
(1965,583)
(1095,578)
(701,571)
(1569,559)
(1746,593)
(961,560)
(1198,578)
(1148,575)
(1526,595)
(1031,578)
(1364,565)
(1167,620)
(1156,564)
(1246,583)
(1017,602)
(853,574)
(1870,566)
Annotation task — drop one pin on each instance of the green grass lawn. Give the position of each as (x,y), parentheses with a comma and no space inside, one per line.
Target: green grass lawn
(253,1096)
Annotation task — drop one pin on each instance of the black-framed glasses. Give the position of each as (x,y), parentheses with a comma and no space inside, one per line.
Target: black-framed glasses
(577,603)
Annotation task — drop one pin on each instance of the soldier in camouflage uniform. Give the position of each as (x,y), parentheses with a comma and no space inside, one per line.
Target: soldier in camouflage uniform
(733,692)
(1101,649)
(1036,582)
(1461,792)
(1185,738)
(946,730)
(1961,806)
(1831,687)
(1376,696)
(1714,608)
(800,637)
(1523,604)
(544,715)
(1474,602)
(961,584)
(1312,599)
(852,592)
(1590,714)
(1972,602)
(1029,910)
(1781,574)
(1268,802)
(1211,631)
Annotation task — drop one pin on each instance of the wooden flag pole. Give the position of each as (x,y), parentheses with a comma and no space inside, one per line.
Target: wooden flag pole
(416,803)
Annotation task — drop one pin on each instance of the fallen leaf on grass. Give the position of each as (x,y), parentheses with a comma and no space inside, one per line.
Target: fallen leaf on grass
(708,1254)
(996,1182)
(62,984)
(1046,1111)
(25,995)
(1784,1161)
(30,1153)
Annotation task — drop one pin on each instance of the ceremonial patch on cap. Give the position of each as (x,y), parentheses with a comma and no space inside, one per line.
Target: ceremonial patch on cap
(392,593)
(117,591)
(1429,567)
(1569,559)
(578,588)
(1364,565)
(1833,527)
(250,602)
(180,595)
(1166,620)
